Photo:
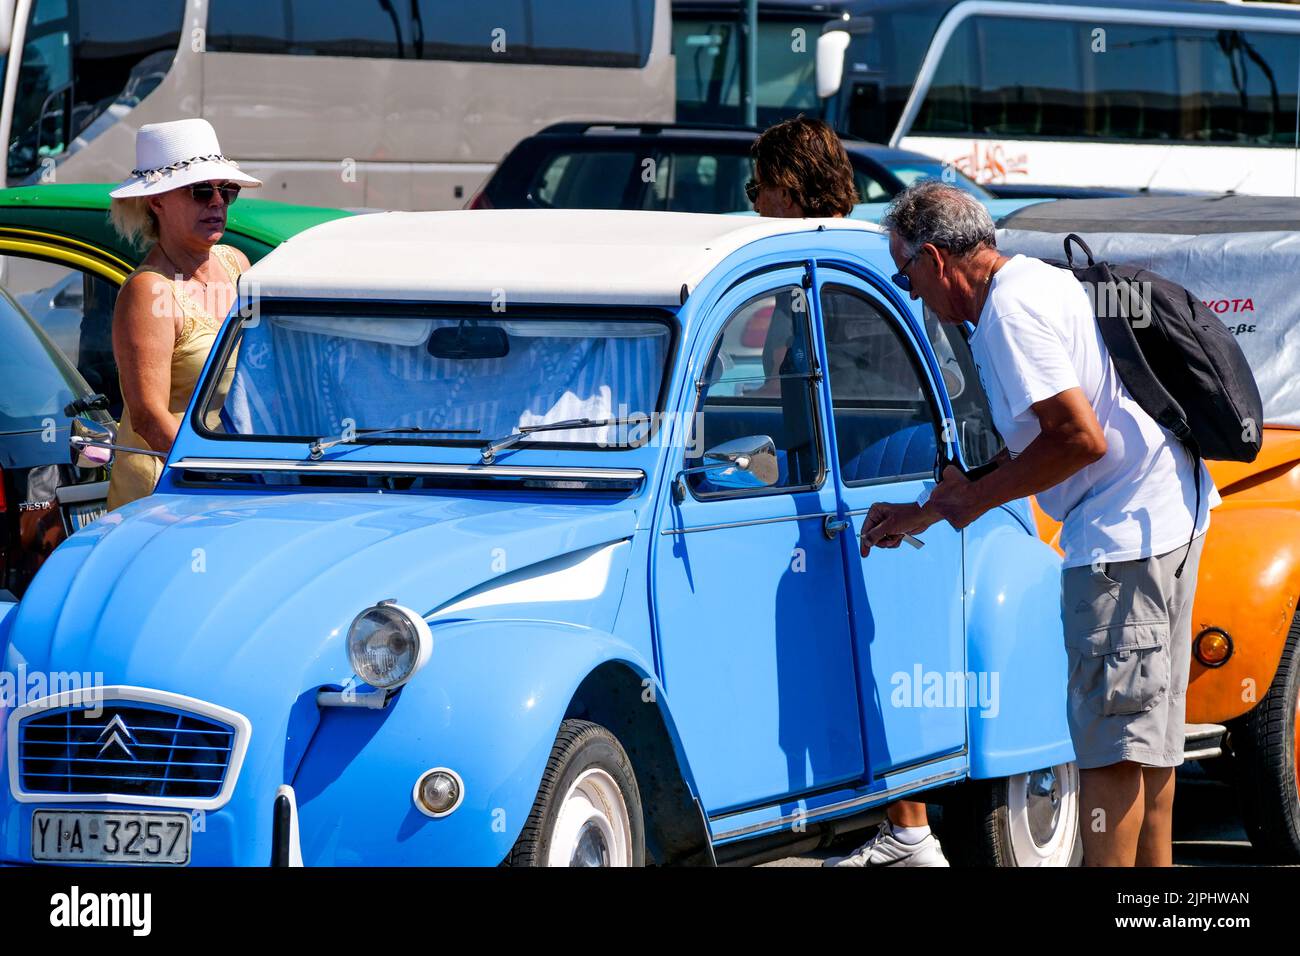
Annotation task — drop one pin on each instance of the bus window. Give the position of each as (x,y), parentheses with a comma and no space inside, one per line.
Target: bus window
(1133,85)
(1029,78)
(707,52)
(1046,79)
(81,60)
(455,30)
(566,32)
(1239,87)
(591,32)
(983,87)
(372,28)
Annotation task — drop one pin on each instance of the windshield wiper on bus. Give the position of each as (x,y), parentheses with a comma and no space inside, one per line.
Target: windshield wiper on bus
(491,448)
(320,445)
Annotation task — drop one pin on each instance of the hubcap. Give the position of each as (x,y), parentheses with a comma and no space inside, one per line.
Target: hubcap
(1043,815)
(1043,805)
(592,827)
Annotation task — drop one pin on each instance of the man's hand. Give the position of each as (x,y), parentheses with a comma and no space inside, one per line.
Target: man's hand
(887,523)
(952,499)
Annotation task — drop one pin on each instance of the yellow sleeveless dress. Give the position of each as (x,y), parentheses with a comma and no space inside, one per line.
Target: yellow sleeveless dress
(134,476)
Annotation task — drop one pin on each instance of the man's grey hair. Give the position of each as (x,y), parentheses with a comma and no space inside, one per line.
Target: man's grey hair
(946,216)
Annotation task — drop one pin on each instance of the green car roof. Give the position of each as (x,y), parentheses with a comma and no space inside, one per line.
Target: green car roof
(80,211)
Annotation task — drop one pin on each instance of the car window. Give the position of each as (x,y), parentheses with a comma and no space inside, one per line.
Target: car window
(759,381)
(38,380)
(75,309)
(699,182)
(586,180)
(913,172)
(886,424)
(870,189)
(973,419)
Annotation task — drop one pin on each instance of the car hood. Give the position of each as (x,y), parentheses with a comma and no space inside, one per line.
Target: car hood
(205,595)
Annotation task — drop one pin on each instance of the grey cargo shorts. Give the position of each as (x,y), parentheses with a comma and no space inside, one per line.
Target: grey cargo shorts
(1128,640)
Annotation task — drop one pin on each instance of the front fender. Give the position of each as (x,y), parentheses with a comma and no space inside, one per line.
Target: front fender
(1015,644)
(1247,585)
(488,705)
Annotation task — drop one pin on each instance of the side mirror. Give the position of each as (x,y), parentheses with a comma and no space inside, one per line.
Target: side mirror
(6,24)
(748,462)
(831,47)
(93,446)
(85,455)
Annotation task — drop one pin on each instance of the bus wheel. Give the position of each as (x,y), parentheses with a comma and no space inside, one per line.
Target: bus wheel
(1027,819)
(588,807)
(1266,745)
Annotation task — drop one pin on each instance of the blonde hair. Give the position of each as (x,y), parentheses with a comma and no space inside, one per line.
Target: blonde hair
(134,220)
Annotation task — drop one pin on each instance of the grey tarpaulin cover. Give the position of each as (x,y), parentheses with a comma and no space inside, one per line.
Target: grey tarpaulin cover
(1248,279)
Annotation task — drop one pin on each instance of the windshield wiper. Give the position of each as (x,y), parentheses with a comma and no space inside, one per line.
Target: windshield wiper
(491,448)
(320,445)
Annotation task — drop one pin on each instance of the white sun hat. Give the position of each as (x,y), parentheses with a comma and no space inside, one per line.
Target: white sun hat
(180,153)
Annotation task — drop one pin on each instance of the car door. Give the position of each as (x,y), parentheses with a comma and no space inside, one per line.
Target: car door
(905,604)
(750,606)
(69,288)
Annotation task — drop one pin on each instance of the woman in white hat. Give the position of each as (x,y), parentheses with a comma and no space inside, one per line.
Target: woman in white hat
(170,309)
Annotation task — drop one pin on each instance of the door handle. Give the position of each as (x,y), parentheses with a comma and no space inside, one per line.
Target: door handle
(832,526)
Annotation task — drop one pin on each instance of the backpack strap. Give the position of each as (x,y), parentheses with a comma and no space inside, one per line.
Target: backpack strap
(1132,365)
(1196,512)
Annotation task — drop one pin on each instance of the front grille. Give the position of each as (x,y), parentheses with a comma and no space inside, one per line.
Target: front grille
(126,747)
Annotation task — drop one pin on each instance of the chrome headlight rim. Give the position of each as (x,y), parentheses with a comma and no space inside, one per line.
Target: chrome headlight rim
(417,630)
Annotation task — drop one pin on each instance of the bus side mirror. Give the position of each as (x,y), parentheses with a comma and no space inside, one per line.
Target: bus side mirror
(6,24)
(831,47)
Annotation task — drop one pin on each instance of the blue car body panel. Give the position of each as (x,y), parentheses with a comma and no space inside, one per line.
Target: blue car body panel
(243,599)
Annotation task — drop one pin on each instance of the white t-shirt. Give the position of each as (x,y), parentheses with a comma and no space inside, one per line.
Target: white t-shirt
(1036,337)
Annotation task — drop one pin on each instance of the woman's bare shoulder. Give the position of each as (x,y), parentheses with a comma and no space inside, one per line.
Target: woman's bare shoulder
(145,297)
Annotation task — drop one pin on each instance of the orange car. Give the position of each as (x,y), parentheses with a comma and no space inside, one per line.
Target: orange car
(1243,700)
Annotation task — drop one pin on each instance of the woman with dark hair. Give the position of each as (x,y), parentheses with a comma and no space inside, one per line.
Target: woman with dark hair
(801,170)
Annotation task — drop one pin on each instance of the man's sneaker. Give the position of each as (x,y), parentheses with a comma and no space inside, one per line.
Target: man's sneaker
(885,849)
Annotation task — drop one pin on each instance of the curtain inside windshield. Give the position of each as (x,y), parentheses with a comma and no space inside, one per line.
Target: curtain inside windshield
(319,375)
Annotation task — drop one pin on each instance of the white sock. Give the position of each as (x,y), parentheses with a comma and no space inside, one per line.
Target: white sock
(910,835)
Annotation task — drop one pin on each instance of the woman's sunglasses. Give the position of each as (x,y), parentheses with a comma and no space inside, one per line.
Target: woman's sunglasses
(202,192)
(751,190)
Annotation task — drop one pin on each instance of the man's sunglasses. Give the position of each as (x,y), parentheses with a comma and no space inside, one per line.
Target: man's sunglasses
(202,192)
(751,190)
(900,278)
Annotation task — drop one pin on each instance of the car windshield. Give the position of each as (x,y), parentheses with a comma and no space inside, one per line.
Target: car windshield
(911,171)
(304,376)
(38,380)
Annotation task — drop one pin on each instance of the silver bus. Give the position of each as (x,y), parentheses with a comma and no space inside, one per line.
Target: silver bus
(355,103)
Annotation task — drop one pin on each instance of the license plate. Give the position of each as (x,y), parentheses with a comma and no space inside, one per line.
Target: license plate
(82,515)
(96,836)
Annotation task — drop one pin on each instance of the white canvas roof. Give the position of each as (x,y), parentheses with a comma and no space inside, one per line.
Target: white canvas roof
(575,256)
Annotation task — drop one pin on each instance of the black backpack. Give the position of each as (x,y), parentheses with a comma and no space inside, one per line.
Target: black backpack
(1177,359)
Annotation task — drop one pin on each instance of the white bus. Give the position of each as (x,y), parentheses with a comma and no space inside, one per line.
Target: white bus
(356,103)
(1147,94)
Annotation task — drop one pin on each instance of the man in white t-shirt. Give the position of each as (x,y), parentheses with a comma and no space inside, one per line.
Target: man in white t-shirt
(1123,488)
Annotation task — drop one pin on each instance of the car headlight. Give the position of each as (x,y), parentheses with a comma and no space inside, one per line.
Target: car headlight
(387,644)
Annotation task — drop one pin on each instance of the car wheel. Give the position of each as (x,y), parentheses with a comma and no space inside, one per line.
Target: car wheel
(588,807)
(1027,819)
(1266,745)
